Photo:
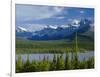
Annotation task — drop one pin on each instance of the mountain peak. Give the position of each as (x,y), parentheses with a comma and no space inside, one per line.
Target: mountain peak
(21,29)
(52,27)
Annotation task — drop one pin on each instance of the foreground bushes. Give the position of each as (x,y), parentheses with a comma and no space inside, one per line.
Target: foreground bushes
(58,63)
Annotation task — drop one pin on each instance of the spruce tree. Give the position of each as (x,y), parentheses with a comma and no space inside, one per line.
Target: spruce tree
(19,64)
(53,63)
(60,63)
(67,61)
(27,65)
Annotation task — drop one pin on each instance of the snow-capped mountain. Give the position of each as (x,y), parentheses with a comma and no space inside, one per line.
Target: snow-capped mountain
(52,27)
(54,32)
(21,29)
(22,32)
(64,26)
(56,26)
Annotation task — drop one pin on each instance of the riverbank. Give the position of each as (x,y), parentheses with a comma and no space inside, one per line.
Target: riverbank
(52,46)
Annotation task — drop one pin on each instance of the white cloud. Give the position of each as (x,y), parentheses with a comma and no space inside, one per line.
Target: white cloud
(27,12)
(61,17)
(64,26)
(58,9)
(81,11)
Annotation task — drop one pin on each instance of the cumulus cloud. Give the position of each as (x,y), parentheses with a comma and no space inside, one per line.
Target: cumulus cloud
(60,17)
(29,12)
(81,11)
(64,26)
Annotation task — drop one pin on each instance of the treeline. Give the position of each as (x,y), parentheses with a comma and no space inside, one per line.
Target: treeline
(58,63)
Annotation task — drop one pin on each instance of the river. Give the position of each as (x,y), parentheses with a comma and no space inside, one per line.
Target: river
(40,56)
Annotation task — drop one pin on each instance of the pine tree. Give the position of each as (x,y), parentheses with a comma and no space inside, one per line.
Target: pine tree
(35,66)
(19,64)
(67,61)
(44,65)
(60,63)
(27,65)
(53,63)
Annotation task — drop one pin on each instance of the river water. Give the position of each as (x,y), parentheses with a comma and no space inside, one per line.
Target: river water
(40,56)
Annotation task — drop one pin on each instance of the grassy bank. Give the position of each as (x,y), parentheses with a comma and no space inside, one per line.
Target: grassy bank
(52,46)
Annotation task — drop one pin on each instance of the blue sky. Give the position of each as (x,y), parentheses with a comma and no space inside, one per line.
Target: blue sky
(35,17)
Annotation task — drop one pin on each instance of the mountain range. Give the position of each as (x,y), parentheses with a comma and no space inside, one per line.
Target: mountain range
(51,32)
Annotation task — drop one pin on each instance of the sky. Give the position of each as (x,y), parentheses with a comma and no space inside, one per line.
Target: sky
(36,17)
